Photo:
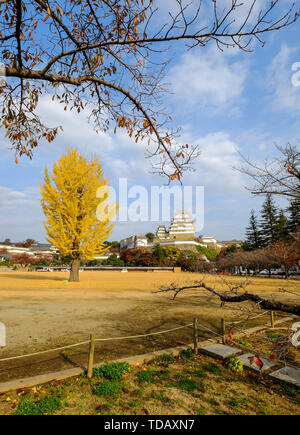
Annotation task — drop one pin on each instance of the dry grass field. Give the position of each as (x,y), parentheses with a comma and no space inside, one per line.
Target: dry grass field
(42,311)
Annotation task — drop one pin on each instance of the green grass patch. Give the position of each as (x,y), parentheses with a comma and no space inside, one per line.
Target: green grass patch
(212,368)
(187,353)
(199,373)
(290,391)
(201,411)
(113,371)
(47,405)
(164,359)
(152,376)
(239,402)
(273,335)
(108,388)
(245,343)
(187,385)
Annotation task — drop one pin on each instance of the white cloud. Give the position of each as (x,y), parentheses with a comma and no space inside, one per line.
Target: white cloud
(120,154)
(20,214)
(283,95)
(214,167)
(208,80)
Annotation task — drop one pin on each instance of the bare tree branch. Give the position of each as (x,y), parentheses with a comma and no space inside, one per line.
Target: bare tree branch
(109,59)
(226,297)
(280,176)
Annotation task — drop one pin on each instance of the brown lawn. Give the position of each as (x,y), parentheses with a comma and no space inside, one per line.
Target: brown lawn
(41,312)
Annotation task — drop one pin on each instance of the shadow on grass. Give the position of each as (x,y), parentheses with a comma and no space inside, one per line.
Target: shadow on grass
(19,275)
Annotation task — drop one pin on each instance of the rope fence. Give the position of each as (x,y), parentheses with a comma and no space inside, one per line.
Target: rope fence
(249,318)
(95,339)
(196,327)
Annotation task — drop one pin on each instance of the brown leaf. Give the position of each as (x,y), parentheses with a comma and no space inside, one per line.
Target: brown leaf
(259,362)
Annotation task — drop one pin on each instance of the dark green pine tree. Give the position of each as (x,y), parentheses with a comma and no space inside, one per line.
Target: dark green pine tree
(293,215)
(269,221)
(253,235)
(282,227)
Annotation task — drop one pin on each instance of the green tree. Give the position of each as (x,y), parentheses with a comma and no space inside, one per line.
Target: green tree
(293,216)
(253,234)
(210,253)
(172,253)
(113,260)
(150,236)
(159,252)
(282,227)
(269,221)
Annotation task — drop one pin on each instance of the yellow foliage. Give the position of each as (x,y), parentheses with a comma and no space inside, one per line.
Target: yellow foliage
(70,202)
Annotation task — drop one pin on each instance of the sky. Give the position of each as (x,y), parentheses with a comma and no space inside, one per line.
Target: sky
(225,102)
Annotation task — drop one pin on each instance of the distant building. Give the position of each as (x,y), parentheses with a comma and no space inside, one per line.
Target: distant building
(12,249)
(37,250)
(136,241)
(210,242)
(4,257)
(232,242)
(161,232)
(182,227)
(43,250)
(181,233)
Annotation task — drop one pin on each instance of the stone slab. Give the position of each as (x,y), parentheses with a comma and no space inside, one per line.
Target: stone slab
(220,351)
(246,361)
(287,374)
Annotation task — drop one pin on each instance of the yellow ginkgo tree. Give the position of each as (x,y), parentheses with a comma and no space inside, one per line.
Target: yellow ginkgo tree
(78,217)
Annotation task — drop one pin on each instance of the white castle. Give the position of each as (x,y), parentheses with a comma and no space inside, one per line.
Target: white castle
(182,227)
(181,233)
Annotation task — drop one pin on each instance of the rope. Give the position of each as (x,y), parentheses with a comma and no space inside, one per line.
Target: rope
(44,351)
(97,339)
(248,319)
(144,335)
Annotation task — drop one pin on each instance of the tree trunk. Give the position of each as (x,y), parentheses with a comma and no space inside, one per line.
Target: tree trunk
(74,272)
(286,272)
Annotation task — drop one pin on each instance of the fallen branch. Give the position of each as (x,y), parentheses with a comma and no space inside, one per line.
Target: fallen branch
(227,297)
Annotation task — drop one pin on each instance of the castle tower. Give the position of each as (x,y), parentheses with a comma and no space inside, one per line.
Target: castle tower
(182,227)
(161,232)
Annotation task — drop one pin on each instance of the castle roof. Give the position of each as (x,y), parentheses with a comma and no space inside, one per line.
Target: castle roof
(182,223)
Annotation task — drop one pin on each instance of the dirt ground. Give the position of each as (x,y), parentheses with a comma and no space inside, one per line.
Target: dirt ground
(42,311)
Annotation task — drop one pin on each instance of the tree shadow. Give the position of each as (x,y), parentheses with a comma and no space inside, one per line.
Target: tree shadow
(30,277)
(70,361)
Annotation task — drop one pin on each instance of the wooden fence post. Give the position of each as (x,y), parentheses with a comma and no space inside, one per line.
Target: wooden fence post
(91,356)
(195,335)
(272,318)
(223,329)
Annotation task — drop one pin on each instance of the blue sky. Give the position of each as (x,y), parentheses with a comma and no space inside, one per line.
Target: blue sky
(224,102)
